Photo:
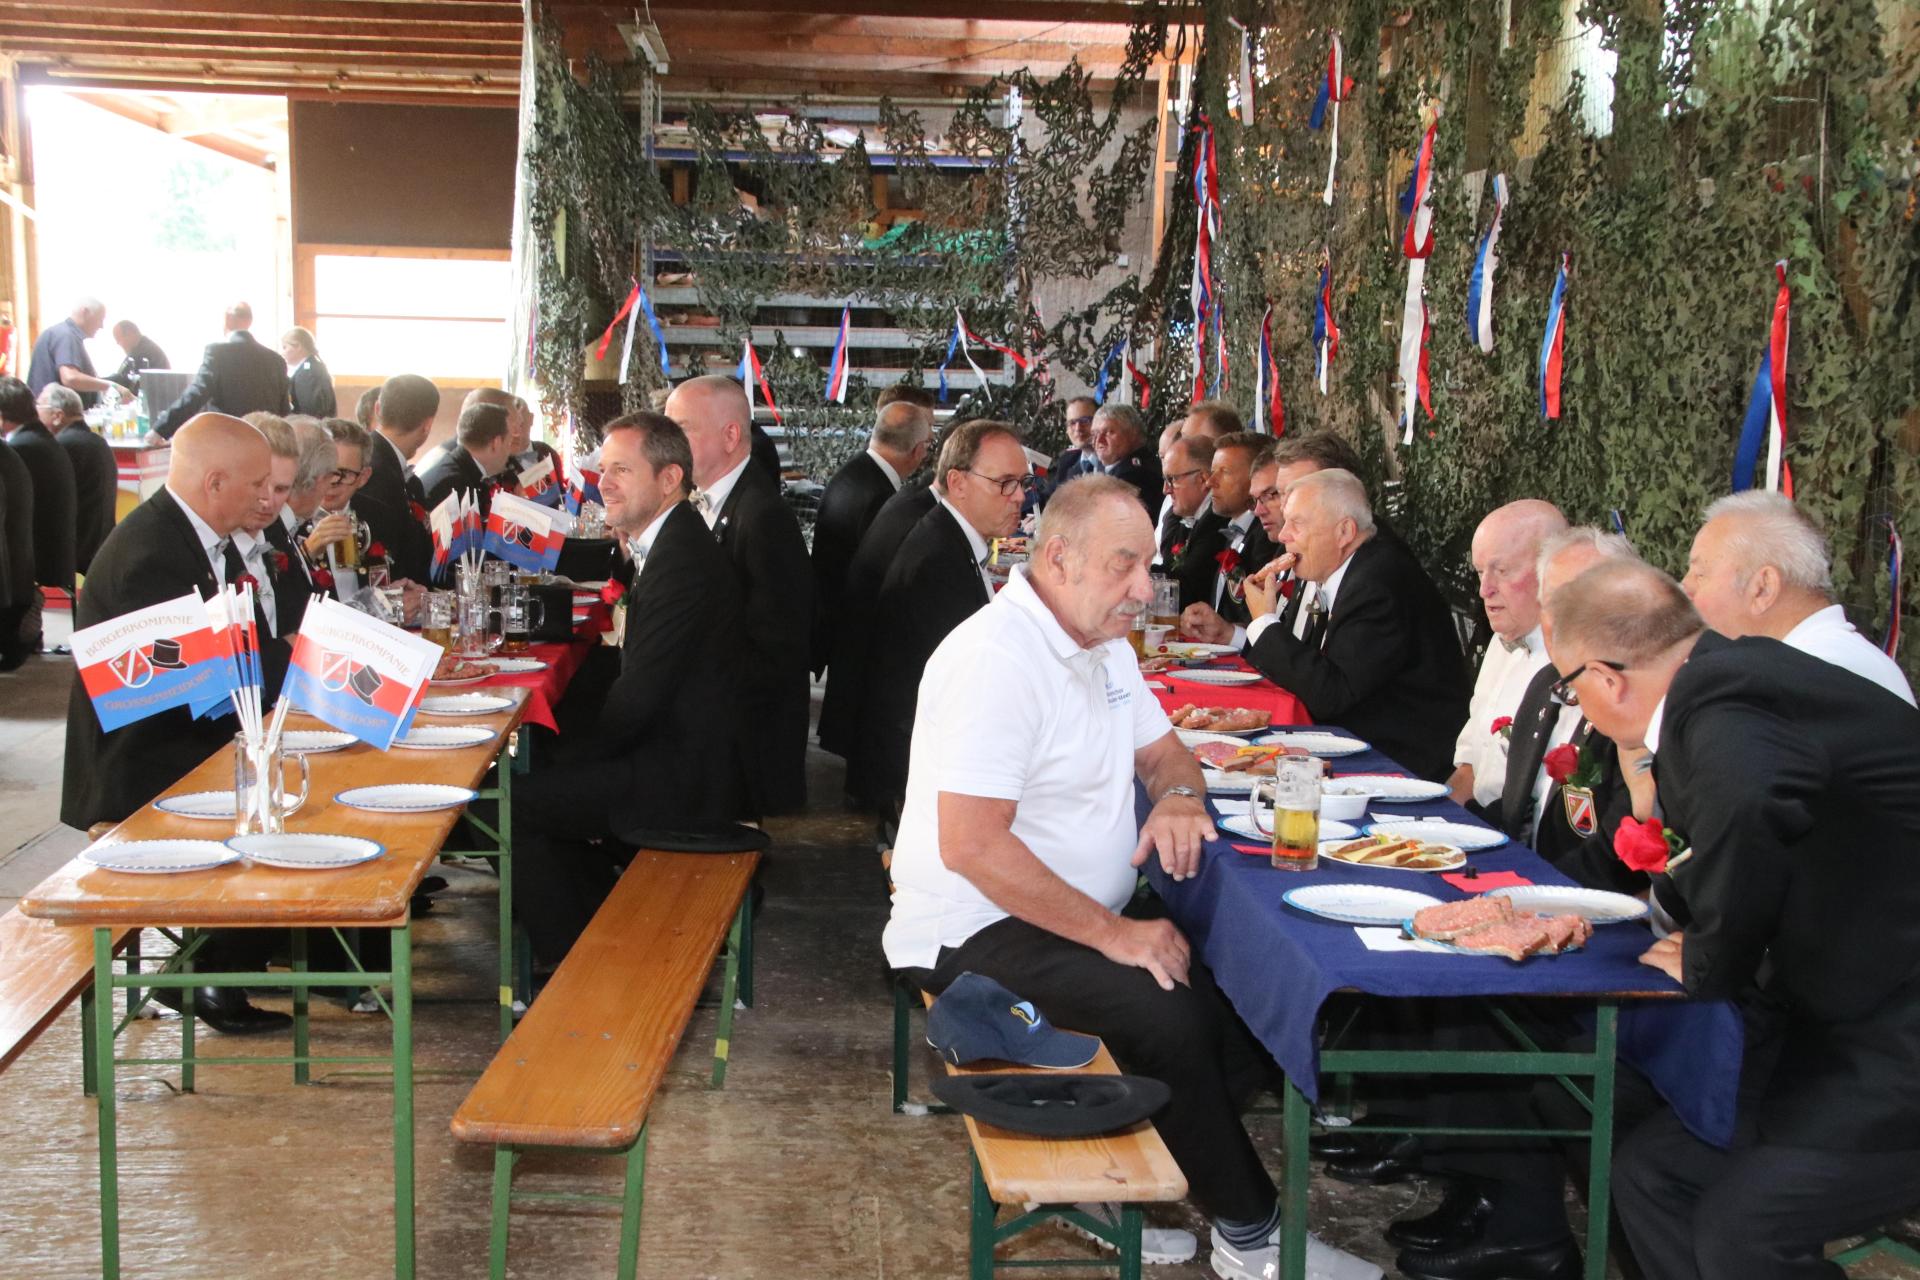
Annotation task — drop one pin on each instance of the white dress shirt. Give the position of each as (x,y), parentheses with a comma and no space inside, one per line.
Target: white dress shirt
(1828,636)
(1309,593)
(210,542)
(641,544)
(1236,535)
(974,541)
(716,493)
(1504,676)
(253,549)
(886,468)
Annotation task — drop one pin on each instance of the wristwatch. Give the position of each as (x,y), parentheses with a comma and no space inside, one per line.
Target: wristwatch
(1188,792)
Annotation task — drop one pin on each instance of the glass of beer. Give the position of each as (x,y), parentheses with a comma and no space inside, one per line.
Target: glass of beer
(1166,602)
(1137,635)
(1295,790)
(437,620)
(519,615)
(347,550)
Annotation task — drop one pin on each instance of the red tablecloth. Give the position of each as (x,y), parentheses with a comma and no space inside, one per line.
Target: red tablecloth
(1264,696)
(562,661)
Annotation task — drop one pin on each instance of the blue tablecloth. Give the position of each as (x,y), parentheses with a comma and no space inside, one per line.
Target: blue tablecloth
(1278,965)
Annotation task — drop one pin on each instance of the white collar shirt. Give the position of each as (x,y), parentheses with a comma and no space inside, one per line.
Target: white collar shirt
(886,468)
(1236,536)
(975,543)
(1559,736)
(1827,635)
(1497,690)
(212,543)
(717,492)
(253,549)
(288,520)
(1012,708)
(641,544)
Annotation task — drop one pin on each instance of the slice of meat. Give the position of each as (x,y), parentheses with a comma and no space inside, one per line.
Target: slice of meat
(1217,755)
(1516,939)
(1231,719)
(1451,920)
(1187,717)
(1565,933)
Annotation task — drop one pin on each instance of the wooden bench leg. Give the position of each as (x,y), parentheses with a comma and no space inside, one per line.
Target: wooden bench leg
(632,1194)
(133,966)
(729,988)
(503,1161)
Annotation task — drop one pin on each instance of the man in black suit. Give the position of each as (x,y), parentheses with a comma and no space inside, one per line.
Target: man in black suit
(666,746)
(480,449)
(902,432)
(403,416)
(282,587)
(20,593)
(1796,788)
(1077,458)
(1367,642)
(309,385)
(237,376)
(177,541)
(1120,444)
(1190,532)
(54,502)
(316,459)
(143,353)
(769,557)
(935,582)
(96,476)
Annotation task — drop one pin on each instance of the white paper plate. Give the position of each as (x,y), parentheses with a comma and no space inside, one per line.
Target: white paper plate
(1197,737)
(161,857)
(1358,903)
(518,666)
(406,797)
(1456,859)
(464,704)
(1463,835)
(210,806)
(1193,649)
(313,742)
(1327,746)
(1242,825)
(1389,789)
(450,737)
(1220,782)
(1213,677)
(462,681)
(305,852)
(1596,905)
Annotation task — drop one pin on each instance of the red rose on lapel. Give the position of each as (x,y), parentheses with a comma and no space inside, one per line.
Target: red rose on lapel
(249,582)
(1642,845)
(1503,726)
(377,550)
(418,512)
(1562,761)
(1228,560)
(323,578)
(612,592)
(280,562)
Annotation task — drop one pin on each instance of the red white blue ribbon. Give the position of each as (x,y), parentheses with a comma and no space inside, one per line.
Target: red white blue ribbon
(1553,343)
(1114,354)
(1767,405)
(626,309)
(962,342)
(1416,237)
(1142,384)
(1416,243)
(837,369)
(1891,644)
(1326,330)
(1269,414)
(751,375)
(1206,303)
(1333,91)
(1480,283)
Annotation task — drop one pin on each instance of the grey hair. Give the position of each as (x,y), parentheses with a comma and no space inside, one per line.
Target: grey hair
(318,457)
(65,399)
(902,425)
(1339,493)
(1771,530)
(1610,546)
(1123,415)
(1074,504)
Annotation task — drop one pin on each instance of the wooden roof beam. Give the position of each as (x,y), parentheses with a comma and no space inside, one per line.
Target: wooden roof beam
(22,36)
(452,12)
(151,49)
(293,84)
(1028,11)
(51,19)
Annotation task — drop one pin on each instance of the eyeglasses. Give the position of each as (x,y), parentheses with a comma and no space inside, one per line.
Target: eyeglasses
(1562,690)
(1268,498)
(1173,478)
(342,475)
(1081,422)
(1007,484)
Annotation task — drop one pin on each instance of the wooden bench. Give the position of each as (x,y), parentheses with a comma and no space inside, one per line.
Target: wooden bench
(43,966)
(1131,1168)
(581,1069)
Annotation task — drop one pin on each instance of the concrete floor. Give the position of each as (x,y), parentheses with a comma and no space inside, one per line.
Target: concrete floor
(797,1169)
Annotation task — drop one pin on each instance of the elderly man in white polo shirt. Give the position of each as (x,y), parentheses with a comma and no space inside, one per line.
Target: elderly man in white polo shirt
(1018,847)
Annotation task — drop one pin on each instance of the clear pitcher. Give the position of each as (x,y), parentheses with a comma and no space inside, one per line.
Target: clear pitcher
(262,801)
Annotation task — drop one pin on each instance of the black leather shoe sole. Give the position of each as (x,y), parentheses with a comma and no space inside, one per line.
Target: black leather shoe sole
(1395,1163)
(1457,1222)
(1493,1262)
(227,1011)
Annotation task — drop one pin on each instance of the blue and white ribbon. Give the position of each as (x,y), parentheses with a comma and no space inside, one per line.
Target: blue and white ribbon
(1485,262)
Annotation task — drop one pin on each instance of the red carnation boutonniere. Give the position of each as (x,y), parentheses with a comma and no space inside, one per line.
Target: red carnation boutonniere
(1175,558)
(1288,586)
(1650,846)
(418,512)
(611,593)
(248,582)
(377,550)
(1229,562)
(281,562)
(323,578)
(1503,726)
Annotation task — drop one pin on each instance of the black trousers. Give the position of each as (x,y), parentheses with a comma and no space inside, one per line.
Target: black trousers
(1755,1212)
(565,859)
(1188,1038)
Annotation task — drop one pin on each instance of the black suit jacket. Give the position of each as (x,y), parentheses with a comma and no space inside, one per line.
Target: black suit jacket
(1066,466)
(1389,668)
(454,471)
(766,455)
(762,540)
(96,487)
(840,713)
(237,376)
(672,718)
(932,587)
(310,388)
(408,545)
(1195,568)
(1141,469)
(55,504)
(1255,550)
(150,557)
(16,525)
(848,505)
(392,481)
(146,354)
(1797,784)
(292,586)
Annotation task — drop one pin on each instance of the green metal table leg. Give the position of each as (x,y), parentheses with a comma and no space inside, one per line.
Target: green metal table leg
(503,1162)
(89,1038)
(980,1227)
(103,1106)
(504,769)
(1297,1118)
(188,1016)
(729,985)
(900,1048)
(1600,1158)
(297,956)
(403,1102)
(632,1193)
(746,949)
(132,954)
(1130,1225)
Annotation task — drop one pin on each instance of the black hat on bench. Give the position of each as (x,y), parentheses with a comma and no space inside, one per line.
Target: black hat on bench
(695,836)
(1054,1106)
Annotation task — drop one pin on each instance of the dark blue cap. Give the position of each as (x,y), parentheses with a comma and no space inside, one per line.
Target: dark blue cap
(977,1018)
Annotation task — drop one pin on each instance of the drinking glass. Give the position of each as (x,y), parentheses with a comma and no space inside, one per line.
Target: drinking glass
(261,802)
(479,634)
(1295,807)
(438,618)
(1166,602)
(520,613)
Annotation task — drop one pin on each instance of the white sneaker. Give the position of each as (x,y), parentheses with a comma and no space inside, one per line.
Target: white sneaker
(1324,1262)
(1158,1245)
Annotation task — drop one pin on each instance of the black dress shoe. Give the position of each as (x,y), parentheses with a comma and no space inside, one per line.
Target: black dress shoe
(1344,1143)
(226,1010)
(1458,1222)
(1493,1262)
(1398,1161)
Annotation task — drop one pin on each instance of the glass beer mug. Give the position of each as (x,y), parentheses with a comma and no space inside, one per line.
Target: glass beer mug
(1295,804)
(262,801)
(520,613)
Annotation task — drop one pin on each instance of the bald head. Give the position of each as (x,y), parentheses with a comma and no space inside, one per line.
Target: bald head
(221,467)
(1566,555)
(714,413)
(1506,551)
(1620,632)
(239,316)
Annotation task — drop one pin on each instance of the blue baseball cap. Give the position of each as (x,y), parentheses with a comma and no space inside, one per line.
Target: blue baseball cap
(977,1018)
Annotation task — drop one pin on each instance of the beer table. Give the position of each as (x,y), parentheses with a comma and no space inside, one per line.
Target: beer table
(372,894)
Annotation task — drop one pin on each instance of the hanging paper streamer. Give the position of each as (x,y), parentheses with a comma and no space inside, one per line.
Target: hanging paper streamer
(653,326)
(626,309)
(962,341)
(751,375)
(1246,71)
(1269,414)
(1206,303)
(837,369)
(636,297)
(1141,383)
(1425,383)
(1553,342)
(1619,525)
(1333,91)
(1891,643)
(1036,342)
(1416,243)
(1326,330)
(1767,405)
(1416,237)
(1106,367)
(1480,284)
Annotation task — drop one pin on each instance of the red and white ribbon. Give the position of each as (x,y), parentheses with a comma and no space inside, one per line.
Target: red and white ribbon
(752,375)
(1333,91)
(1269,414)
